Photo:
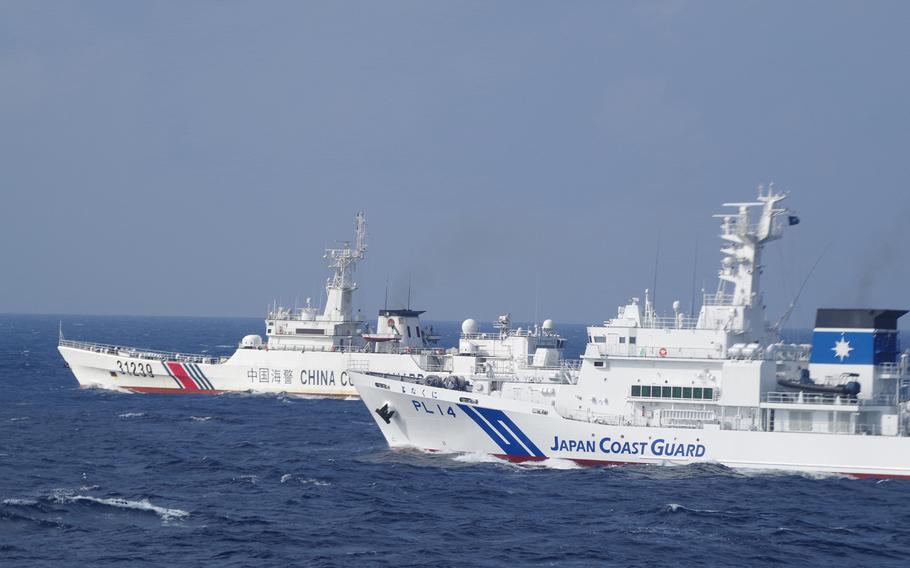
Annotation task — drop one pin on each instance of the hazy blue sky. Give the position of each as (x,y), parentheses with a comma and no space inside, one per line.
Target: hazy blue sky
(196,157)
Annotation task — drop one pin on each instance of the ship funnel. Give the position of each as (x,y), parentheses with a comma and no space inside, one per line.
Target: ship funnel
(854,343)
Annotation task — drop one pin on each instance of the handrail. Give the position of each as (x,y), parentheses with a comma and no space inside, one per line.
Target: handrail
(286,316)
(655,352)
(196,358)
(828,399)
(132,352)
(496,335)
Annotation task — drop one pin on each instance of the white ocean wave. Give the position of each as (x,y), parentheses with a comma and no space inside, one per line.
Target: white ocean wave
(164,513)
(132,415)
(200,418)
(676,507)
(553,463)
(478,458)
(307,481)
(814,475)
(549,463)
(18,419)
(19,502)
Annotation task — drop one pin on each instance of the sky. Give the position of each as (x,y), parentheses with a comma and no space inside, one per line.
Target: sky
(547,159)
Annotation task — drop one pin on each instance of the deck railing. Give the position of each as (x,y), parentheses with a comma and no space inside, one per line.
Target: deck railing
(825,398)
(134,353)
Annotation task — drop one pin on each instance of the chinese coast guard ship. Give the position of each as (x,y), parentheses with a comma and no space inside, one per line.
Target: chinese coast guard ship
(720,387)
(312,353)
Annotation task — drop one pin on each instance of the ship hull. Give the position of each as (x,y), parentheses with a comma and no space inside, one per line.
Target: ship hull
(441,420)
(312,373)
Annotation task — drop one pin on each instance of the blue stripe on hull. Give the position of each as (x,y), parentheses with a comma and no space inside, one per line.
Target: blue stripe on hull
(502,430)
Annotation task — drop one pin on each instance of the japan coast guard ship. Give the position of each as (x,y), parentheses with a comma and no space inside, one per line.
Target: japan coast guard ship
(720,387)
(308,353)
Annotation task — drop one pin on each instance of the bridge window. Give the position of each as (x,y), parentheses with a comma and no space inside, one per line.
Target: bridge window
(632,340)
(409,331)
(622,339)
(678,393)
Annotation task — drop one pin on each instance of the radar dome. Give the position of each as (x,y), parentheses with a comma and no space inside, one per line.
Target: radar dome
(547,324)
(251,342)
(469,326)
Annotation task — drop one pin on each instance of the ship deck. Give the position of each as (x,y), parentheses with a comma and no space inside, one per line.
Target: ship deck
(137,353)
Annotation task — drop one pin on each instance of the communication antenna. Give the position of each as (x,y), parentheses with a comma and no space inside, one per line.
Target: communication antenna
(789,311)
(656,264)
(694,270)
(409,291)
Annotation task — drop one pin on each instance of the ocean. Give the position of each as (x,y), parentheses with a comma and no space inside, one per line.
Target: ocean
(94,478)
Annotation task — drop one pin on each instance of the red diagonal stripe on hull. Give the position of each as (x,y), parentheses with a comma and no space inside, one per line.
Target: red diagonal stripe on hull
(182,376)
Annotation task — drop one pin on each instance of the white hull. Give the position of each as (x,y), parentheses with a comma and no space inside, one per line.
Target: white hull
(293,372)
(437,419)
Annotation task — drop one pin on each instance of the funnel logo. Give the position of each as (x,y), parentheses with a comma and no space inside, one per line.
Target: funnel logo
(842,348)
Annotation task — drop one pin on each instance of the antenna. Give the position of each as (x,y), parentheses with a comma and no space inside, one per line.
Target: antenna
(789,311)
(409,291)
(656,264)
(385,305)
(694,270)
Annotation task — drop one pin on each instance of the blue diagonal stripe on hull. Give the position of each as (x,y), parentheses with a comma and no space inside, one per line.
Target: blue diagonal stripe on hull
(197,376)
(204,378)
(502,430)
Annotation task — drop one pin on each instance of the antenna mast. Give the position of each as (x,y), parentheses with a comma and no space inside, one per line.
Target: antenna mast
(341,284)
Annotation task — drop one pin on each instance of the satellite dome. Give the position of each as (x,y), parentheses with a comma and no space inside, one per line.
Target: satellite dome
(251,342)
(469,326)
(547,324)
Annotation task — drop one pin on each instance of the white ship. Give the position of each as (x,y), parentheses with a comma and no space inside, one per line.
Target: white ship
(312,353)
(720,387)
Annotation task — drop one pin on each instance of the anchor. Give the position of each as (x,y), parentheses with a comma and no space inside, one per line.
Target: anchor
(385,413)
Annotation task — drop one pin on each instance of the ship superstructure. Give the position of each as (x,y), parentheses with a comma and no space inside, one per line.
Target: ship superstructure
(720,386)
(307,351)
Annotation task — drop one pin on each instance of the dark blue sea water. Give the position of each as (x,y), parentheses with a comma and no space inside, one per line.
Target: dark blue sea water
(93,478)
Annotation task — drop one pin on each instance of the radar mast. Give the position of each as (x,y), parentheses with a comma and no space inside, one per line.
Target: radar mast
(343,261)
(743,310)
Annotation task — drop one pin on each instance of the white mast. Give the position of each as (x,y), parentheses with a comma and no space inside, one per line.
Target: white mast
(340,286)
(743,310)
